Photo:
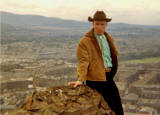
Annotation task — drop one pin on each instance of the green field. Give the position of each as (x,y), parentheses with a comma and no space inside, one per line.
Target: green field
(143,61)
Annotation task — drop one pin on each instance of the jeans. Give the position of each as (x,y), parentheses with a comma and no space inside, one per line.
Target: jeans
(109,91)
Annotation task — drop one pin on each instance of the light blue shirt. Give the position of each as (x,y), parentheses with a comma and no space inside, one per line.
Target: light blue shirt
(106,54)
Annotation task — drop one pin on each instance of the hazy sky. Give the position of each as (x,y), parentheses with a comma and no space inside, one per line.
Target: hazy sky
(125,11)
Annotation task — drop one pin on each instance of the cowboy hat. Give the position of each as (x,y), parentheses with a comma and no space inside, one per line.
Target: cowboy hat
(99,15)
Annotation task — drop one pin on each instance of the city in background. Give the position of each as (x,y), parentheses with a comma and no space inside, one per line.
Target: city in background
(39,52)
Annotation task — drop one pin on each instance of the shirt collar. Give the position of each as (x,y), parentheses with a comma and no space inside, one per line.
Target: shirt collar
(98,36)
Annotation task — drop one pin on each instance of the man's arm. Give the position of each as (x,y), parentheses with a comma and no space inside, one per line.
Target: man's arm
(83,61)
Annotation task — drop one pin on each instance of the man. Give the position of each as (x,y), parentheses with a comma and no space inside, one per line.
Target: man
(98,62)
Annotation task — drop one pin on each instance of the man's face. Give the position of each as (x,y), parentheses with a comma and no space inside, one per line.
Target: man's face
(99,26)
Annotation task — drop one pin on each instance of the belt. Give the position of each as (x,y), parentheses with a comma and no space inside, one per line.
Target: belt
(107,69)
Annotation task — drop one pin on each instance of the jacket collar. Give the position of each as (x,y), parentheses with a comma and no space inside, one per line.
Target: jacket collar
(91,35)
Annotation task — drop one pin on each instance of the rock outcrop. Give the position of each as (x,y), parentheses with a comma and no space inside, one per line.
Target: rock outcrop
(64,100)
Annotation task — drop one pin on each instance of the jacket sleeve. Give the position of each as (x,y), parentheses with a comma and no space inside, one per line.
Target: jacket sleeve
(83,61)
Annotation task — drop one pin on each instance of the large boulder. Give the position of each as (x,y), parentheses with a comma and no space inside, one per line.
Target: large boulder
(64,100)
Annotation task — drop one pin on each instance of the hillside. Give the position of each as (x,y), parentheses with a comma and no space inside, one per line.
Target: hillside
(133,41)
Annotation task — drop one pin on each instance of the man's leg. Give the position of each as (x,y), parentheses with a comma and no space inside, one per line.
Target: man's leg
(101,88)
(112,96)
(110,93)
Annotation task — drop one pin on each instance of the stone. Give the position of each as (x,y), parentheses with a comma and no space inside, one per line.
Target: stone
(65,100)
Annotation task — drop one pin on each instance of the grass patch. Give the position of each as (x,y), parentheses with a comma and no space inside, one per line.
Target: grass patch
(143,61)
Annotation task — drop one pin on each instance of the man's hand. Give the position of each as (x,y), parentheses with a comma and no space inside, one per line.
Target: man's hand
(75,83)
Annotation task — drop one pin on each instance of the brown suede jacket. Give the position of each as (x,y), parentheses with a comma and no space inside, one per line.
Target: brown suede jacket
(90,61)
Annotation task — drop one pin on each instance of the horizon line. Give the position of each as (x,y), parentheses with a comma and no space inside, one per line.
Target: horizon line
(73,19)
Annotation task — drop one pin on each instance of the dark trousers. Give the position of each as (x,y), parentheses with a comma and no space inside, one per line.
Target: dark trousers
(109,91)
